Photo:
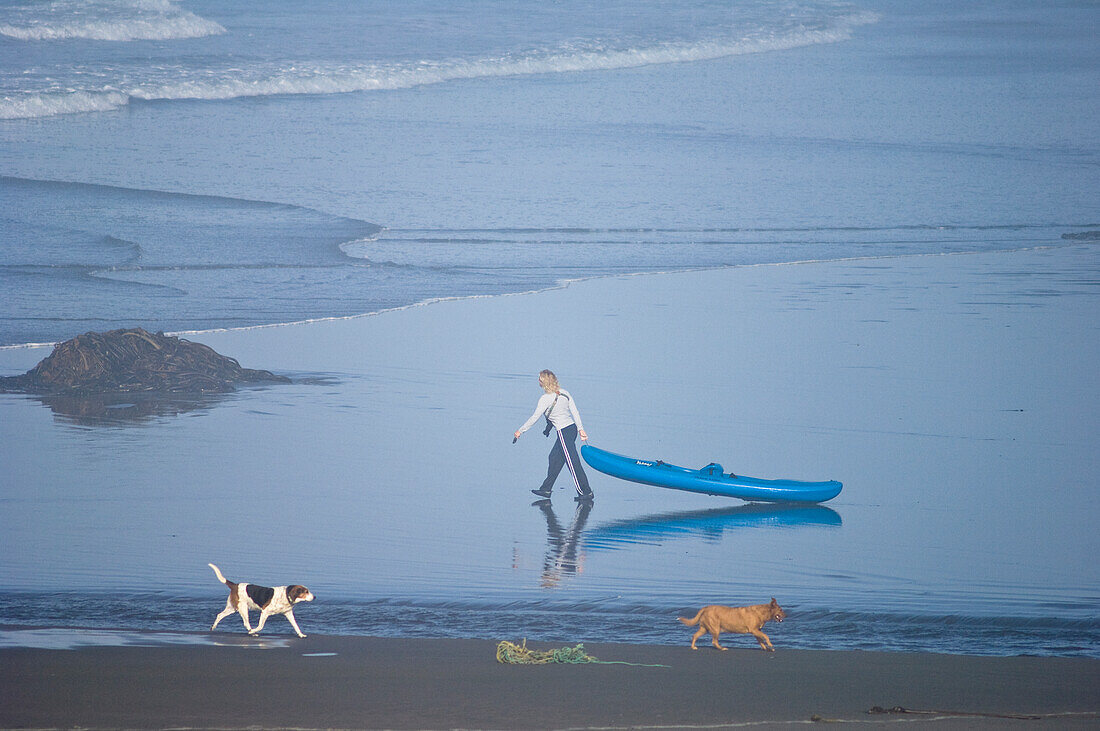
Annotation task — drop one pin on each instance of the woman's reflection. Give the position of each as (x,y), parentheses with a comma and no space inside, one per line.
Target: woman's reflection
(563,552)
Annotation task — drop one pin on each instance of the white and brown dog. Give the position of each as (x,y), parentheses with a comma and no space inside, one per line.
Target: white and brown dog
(278,600)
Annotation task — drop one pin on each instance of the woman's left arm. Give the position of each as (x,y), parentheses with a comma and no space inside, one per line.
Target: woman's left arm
(577,420)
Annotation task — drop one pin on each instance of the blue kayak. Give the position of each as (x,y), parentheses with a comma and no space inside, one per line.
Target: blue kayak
(710,480)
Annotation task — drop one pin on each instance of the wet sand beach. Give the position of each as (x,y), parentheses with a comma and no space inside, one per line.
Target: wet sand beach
(362,682)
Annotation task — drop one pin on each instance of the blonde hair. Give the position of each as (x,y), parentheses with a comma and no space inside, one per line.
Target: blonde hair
(549,382)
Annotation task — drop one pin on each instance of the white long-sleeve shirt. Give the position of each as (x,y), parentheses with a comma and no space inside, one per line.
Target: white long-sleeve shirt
(562,415)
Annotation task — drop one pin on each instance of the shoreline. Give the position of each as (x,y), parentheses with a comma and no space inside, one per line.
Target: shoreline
(565,284)
(369,682)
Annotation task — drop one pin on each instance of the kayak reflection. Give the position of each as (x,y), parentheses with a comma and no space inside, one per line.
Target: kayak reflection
(567,545)
(709,524)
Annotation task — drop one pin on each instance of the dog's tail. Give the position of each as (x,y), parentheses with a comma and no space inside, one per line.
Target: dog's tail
(693,620)
(218,573)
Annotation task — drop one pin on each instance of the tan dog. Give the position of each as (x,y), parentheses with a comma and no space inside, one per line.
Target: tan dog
(746,620)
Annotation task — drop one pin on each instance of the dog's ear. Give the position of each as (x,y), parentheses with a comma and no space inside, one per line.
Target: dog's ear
(774,602)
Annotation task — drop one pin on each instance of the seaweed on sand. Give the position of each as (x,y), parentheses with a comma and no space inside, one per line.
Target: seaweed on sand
(134,361)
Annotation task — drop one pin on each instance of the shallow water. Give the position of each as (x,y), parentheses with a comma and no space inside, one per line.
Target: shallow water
(407,516)
(181,263)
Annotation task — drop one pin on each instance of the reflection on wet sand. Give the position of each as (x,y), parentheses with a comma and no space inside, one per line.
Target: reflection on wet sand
(566,546)
(563,555)
(123,408)
(709,524)
(64,638)
(118,409)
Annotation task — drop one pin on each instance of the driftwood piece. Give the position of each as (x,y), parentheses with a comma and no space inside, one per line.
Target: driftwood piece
(134,361)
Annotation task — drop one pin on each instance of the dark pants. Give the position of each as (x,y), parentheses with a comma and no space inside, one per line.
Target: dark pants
(568,456)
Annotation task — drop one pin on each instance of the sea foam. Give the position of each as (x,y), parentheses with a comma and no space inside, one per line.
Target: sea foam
(294,79)
(134,20)
(48,104)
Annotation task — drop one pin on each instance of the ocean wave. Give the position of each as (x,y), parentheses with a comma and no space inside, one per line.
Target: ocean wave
(312,79)
(52,103)
(136,20)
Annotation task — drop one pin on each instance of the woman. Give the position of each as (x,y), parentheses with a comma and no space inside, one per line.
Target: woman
(560,412)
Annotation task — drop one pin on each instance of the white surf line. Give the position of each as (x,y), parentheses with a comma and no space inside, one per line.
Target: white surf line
(565,283)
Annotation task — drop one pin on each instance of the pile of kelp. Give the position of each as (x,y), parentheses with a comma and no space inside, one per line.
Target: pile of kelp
(134,361)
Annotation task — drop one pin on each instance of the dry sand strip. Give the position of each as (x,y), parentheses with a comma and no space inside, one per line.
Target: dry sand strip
(362,682)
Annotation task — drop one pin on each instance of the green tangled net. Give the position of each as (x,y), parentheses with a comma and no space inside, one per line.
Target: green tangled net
(512,654)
